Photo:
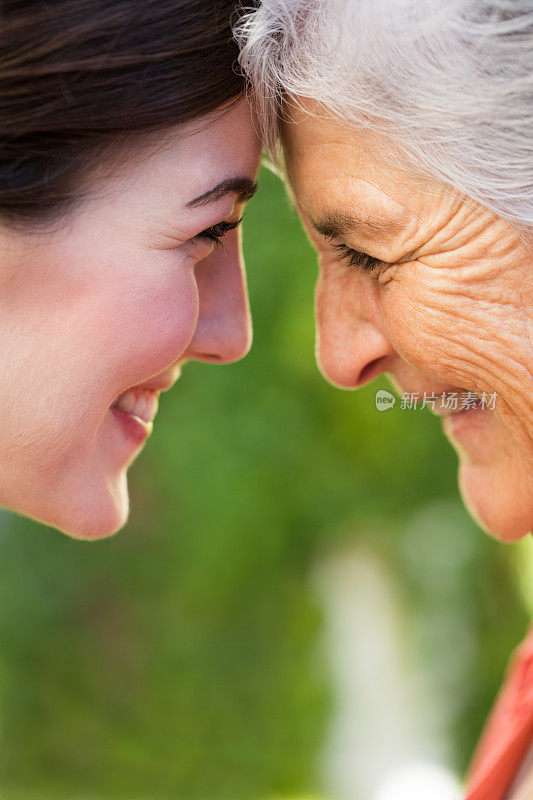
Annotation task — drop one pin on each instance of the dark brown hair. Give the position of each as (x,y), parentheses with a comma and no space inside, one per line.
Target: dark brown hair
(79,76)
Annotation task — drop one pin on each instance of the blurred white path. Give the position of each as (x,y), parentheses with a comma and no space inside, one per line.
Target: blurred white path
(386,740)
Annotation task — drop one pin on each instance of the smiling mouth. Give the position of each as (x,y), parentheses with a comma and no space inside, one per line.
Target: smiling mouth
(139,403)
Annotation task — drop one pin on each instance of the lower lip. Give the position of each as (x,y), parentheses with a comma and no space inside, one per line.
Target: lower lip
(133,428)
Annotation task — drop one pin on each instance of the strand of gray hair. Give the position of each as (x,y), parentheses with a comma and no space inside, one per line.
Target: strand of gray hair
(449,81)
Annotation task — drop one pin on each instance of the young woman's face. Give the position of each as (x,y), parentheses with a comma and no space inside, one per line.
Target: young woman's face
(105,308)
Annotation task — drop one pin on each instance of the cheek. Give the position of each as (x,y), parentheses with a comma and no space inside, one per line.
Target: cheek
(134,321)
(436,330)
(74,347)
(459,339)
(143,326)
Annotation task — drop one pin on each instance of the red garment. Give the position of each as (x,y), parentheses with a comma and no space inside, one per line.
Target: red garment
(509,730)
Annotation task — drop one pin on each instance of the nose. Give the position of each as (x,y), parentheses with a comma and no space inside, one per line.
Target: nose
(351,347)
(224,331)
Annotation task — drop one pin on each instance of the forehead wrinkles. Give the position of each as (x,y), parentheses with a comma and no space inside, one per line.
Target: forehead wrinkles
(333,171)
(376,207)
(377,216)
(337,171)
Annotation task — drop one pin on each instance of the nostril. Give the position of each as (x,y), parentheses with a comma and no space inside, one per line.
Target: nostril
(210,358)
(371,370)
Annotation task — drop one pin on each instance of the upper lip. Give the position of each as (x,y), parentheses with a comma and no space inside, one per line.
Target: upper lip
(159,383)
(155,385)
(447,412)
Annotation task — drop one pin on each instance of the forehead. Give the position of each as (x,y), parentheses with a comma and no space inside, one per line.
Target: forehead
(220,133)
(331,164)
(173,166)
(187,157)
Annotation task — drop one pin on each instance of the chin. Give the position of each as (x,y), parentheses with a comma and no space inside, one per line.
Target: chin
(498,499)
(100,524)
(89,511)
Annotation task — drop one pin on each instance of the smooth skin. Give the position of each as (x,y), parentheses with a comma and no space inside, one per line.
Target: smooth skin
(122,292)
(448,308)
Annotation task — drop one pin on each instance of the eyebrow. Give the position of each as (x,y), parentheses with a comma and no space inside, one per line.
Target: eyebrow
(244,188)
(335,225)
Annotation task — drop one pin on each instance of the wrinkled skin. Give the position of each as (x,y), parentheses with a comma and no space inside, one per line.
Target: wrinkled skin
(121,292)
(449,308)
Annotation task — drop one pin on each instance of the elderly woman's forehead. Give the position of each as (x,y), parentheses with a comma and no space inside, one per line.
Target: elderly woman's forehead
(307,125)
(312,142)
(321,179)
(321,192)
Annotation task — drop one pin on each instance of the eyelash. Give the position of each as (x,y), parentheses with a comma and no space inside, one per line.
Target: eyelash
(216,232)
(357,259)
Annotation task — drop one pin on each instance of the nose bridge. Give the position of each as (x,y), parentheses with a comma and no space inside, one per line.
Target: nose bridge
(351,346)
(223,331)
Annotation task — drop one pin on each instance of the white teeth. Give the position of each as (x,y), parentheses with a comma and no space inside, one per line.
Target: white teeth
(126,402)
(142,404)
(151,406)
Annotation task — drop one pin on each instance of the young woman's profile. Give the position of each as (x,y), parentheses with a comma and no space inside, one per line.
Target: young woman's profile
(127,152)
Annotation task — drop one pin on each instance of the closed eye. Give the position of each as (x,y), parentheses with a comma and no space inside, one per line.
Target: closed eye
(216,232)
(357,259)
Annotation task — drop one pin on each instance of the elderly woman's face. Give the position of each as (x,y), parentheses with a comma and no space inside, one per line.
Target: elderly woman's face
(447,306)
(118,297)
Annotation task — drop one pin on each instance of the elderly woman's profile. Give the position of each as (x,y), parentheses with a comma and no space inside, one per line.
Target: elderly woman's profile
(404,130)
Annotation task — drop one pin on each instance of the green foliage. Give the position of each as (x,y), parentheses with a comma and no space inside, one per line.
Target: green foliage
(180,658)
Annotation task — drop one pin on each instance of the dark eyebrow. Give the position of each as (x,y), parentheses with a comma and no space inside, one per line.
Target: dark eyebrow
(244,188)
(335,225)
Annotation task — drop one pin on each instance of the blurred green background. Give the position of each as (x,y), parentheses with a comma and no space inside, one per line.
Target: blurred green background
(185,657)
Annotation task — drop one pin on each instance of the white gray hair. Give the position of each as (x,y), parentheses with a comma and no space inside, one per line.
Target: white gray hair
(451,81)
